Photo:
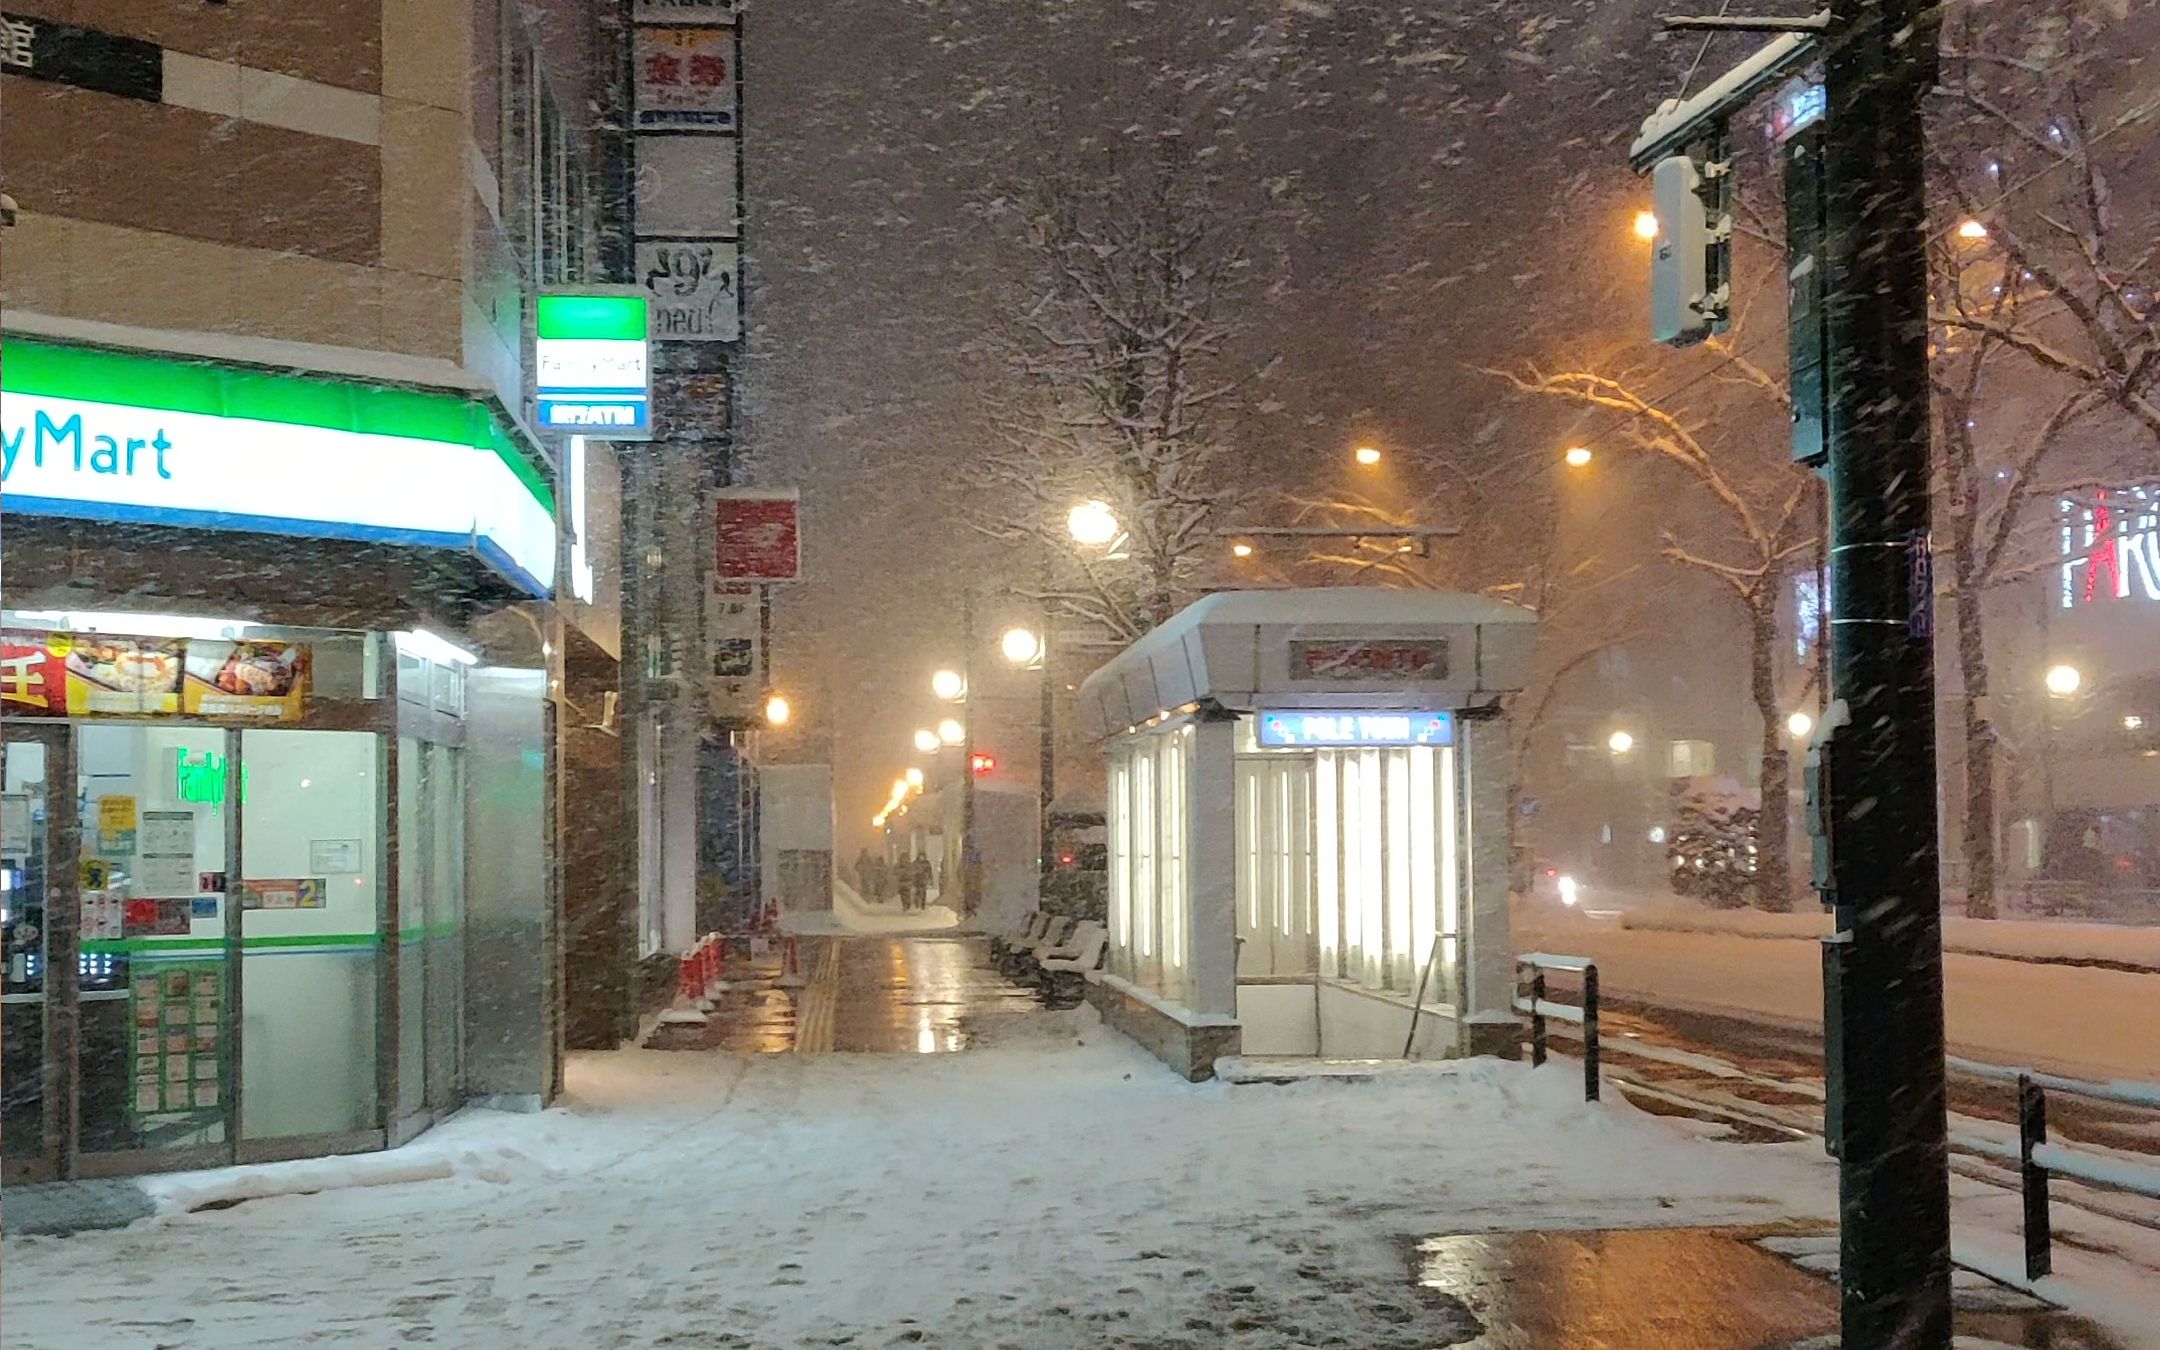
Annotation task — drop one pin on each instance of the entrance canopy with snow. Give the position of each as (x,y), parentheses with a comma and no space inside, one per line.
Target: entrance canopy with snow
(1308,824)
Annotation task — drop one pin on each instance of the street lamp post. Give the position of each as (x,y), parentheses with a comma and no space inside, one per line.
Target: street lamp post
(1031,651)
(970,863)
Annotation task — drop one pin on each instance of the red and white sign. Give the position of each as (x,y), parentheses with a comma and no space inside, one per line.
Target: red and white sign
(1369,659)
(685,79)
(2111,547)
(757,535)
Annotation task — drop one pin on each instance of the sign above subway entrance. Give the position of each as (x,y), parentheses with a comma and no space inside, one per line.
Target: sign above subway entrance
(1356,727)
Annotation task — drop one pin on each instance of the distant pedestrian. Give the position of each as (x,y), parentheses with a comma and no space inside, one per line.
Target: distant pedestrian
(906,868)
(925,878)
(881,880)
(865,875)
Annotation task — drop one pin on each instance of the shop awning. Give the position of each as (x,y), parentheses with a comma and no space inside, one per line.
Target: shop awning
(203,431)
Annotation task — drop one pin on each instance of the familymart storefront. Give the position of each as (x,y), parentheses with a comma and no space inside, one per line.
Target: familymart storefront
(273,649)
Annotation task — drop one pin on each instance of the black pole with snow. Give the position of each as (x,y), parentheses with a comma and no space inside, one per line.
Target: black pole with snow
(1893,1180)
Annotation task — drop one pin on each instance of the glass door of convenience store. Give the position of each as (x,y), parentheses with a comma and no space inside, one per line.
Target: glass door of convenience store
(153,1032)
(33,822)
(311,952)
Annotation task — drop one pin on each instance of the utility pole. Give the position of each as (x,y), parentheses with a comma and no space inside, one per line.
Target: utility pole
(1892,1145)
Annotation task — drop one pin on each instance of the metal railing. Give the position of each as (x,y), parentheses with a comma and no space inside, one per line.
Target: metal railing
(2037,1159)
(1530,998)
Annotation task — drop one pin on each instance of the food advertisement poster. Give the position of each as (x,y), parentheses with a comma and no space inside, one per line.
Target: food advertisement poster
(33,678)
(98,675)
(120,676)
(246,679)
(177,1061)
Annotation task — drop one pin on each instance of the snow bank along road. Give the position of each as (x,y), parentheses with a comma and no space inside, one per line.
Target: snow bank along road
(1052,1188)
(2083,1021)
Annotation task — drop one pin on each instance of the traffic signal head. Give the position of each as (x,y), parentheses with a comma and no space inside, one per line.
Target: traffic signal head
(1680,254)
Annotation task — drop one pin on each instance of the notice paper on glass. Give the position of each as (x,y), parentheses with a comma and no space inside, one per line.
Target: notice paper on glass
(165,854)
(334,856)
(15,823)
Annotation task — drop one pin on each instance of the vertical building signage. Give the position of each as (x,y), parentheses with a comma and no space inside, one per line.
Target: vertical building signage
(755,535)
(592,372)
(2111,547)
(687,109)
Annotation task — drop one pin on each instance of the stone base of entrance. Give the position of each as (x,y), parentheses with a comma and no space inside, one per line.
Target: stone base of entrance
(1187,1042)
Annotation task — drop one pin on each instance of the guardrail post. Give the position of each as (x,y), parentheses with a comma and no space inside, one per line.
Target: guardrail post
(1537,1017)
(2032,1132)
(1589,1033)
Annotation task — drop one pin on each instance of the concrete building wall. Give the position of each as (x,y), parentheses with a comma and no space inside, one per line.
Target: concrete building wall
(335,174)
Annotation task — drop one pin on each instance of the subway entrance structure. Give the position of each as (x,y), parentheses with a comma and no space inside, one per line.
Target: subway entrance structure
(1308,826)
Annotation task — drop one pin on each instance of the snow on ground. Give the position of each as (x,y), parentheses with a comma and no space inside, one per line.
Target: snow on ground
(2012,939)
(2067,1018)
(1054,1187)
(851,915)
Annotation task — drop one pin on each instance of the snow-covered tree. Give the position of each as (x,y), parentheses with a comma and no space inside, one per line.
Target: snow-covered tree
(2047,343)
(1123,374)
(1750,523)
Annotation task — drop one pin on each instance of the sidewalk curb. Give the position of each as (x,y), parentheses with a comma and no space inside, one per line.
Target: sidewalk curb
(64,1208)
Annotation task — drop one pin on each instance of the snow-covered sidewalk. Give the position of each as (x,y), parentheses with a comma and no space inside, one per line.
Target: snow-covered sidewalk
(853,915)
(1056,1188)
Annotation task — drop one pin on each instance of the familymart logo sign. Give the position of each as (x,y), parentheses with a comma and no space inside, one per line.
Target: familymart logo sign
(78,441)
(592,374)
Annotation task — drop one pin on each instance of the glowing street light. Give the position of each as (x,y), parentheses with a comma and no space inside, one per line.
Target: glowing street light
(927,741)
(1620,742)
(777,711)
(948,685)
(2063,681)
(1972,229)
(1241,550)
(1092,523)
(1646,225)
(950,732)
(914,778)
(1799,724)
(1577,456)
(1367,455)
(1020,646)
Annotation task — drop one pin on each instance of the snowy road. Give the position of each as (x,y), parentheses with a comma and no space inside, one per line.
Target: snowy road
(1052,1187)
(2074,1019)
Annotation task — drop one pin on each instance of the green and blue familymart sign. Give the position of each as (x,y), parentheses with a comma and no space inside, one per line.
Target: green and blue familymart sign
(592,373)
(96,434)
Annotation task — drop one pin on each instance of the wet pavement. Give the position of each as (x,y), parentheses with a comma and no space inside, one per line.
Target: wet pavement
(873,995)
(917,995)
(1681,1289)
